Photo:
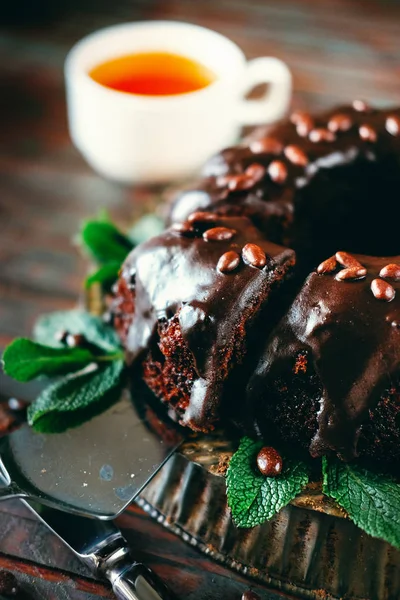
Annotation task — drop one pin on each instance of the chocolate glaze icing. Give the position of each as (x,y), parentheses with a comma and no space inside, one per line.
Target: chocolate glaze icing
(176,273)
(352,157)
(353,340)
(315,184)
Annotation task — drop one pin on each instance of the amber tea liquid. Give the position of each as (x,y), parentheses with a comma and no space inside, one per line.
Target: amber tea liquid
(153,74)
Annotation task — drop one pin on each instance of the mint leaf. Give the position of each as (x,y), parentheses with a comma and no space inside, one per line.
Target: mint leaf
(104,242)
(75,399)
(145,228)
(371,500)
(105,275)
(24,360)
(254,498)
(76,321)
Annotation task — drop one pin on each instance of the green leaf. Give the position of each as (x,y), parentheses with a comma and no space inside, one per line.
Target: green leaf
(145,228)
(24,360)
(76,321)
(75,399)
(254,498)
(371,500)
(105,242)
(105,275)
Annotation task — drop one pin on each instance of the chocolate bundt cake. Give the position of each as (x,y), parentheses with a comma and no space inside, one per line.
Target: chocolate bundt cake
(188,302)
(314,184)
(193,305)
(329,376)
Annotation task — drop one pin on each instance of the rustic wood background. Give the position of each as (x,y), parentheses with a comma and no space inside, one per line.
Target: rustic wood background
(337,51)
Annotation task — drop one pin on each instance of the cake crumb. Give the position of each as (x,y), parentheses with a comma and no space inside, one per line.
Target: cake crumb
(223,464)
(323,595)
(300,365)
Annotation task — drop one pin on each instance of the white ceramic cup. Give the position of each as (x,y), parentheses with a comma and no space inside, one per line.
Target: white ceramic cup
(134,138)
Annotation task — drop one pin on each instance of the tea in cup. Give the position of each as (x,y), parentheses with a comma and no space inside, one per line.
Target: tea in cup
(152,101)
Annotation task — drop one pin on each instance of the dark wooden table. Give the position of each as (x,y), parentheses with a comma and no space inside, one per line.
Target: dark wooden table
(337,50)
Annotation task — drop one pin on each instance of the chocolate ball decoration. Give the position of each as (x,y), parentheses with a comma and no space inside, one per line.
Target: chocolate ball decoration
(269,462)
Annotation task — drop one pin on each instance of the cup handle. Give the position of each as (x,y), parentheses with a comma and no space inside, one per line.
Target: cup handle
(275,103)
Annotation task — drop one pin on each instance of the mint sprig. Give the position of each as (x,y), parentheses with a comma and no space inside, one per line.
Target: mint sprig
(25,360)
(104,242)
(107,246)
(106,275)
(93,373)
(371,500)
(254,498)
(73,400)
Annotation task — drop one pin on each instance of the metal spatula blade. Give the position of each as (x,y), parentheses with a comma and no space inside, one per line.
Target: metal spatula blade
(96,469)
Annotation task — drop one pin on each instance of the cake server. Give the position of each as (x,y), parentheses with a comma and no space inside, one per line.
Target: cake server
(96,469)
(102,548)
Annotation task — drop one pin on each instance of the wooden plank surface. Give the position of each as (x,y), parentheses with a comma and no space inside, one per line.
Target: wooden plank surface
(337,50)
